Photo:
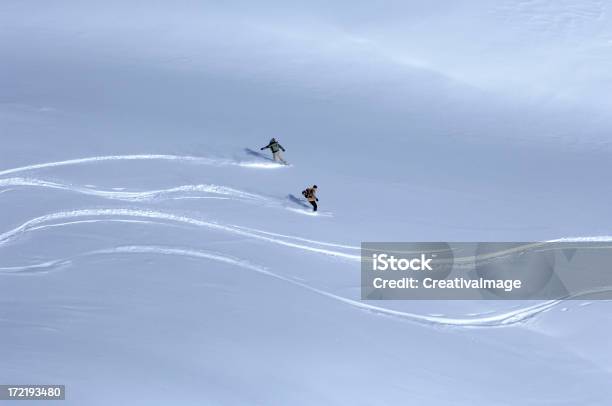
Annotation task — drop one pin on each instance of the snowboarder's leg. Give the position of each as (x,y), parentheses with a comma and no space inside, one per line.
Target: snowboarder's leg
(279,157)
(314,205)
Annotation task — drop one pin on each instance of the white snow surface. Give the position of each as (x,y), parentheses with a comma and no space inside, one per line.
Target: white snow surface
(149,255)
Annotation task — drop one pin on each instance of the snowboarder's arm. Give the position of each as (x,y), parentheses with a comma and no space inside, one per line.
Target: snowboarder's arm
(281,147)
(267,146)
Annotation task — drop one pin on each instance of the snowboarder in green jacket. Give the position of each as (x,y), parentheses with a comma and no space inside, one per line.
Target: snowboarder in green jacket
(276,148)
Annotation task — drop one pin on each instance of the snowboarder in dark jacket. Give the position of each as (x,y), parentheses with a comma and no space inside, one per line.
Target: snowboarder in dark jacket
(311,195)
(276,148)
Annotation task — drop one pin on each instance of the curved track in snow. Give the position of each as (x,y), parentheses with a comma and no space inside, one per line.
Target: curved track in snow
(131,215)
(178,192)
(118,214)
(182,192)
(502,319)
(291,237)
(145,157)
(42,267)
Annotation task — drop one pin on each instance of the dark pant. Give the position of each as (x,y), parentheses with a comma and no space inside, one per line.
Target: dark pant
(314,205)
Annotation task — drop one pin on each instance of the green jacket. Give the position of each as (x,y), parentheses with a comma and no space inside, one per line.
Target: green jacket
(274,146)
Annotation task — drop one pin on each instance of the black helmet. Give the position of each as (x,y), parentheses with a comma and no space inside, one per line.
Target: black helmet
(314,186)
(273,140)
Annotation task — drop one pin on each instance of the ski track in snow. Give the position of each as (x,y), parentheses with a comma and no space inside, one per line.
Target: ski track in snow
(179,192)
(290,237)
(182,192)
(508,318)
(145,157)
(185,192)
(307,212)
(175,193)
(115,214)
(43,267)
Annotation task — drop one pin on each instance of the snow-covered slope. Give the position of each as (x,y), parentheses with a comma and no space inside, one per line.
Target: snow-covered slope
(149,255)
